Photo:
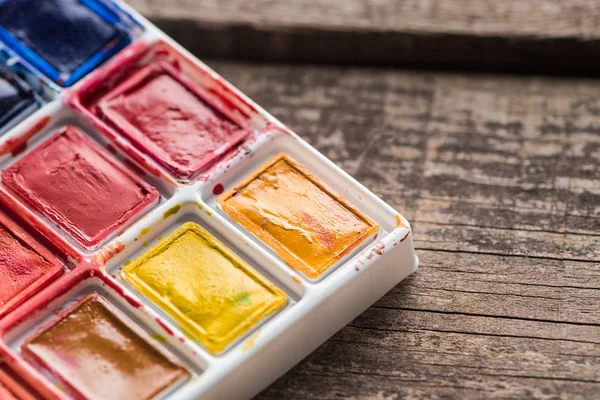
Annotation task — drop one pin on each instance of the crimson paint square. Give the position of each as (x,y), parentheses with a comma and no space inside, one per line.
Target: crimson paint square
(80,186)
(170,119)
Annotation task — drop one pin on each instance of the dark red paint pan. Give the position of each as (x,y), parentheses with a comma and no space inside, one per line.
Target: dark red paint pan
(79,186)
(170,110)
(170,119)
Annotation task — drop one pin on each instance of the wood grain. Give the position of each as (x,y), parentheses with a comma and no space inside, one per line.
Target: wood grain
(555,36)
(500,177)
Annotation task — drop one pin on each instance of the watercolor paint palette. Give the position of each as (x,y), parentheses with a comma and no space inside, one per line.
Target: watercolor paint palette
(161,235)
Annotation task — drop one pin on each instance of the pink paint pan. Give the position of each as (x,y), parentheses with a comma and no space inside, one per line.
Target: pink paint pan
(167,112)
(80,186)
(25,266)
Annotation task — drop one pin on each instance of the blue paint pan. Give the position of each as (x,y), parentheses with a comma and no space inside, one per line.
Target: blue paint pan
(65,39)
(17,100)
(44,88)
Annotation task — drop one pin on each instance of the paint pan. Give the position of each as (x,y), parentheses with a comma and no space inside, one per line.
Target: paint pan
(64,39)
(79,186)
(168,109)
(44,89)
(25,266)
(168,119)
(17,100)
(213,294)
(298,216)
(95,351)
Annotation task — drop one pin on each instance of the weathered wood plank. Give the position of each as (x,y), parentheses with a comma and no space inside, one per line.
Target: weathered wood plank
(501,179)
(335,386)
(533,35)
(428,343)
(507,287)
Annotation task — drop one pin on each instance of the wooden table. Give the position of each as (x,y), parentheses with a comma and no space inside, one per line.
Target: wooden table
(553,36)
(500,177)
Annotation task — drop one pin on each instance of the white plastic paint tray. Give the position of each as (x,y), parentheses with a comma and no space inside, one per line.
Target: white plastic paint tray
(315,309)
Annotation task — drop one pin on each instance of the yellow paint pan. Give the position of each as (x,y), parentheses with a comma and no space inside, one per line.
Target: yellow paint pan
(212,293)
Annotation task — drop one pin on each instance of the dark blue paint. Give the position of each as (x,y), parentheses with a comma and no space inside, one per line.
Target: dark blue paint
(64,39)
(64,32)
(15,97)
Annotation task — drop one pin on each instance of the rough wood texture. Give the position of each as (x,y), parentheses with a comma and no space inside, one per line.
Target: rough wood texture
(554,36)
(501,180)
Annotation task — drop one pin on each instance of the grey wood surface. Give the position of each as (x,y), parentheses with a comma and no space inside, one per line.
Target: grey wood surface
(557,36)
(500,177)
